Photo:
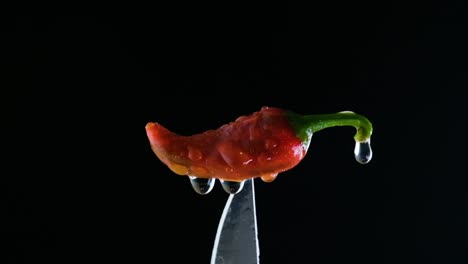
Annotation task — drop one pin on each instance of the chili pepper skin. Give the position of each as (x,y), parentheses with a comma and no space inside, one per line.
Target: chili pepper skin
(261,144)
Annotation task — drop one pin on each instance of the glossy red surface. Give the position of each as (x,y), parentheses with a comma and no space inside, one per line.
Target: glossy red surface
(262,144)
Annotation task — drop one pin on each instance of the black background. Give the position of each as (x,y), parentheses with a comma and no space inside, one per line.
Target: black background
(87,186)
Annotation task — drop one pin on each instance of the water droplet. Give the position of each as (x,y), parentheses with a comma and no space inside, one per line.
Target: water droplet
(363,152)
(232,187)
(269,177)
(247,162)
(202,185)
(232,154)
(262,159)
(194,153)
(270,143)
(182,154)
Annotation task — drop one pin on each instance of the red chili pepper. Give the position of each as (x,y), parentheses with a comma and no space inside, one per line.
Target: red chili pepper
(262,144)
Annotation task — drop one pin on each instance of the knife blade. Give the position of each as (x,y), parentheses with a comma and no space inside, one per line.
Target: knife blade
(236,240)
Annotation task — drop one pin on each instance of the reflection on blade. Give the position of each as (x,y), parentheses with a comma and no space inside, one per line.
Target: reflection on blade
(236,240)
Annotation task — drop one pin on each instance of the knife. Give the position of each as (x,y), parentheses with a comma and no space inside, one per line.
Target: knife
(236,240)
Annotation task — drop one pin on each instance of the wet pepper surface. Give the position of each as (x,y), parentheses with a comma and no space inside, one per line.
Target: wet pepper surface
(262,144)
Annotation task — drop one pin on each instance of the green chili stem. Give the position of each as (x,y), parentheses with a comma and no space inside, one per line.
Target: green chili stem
(307,125)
